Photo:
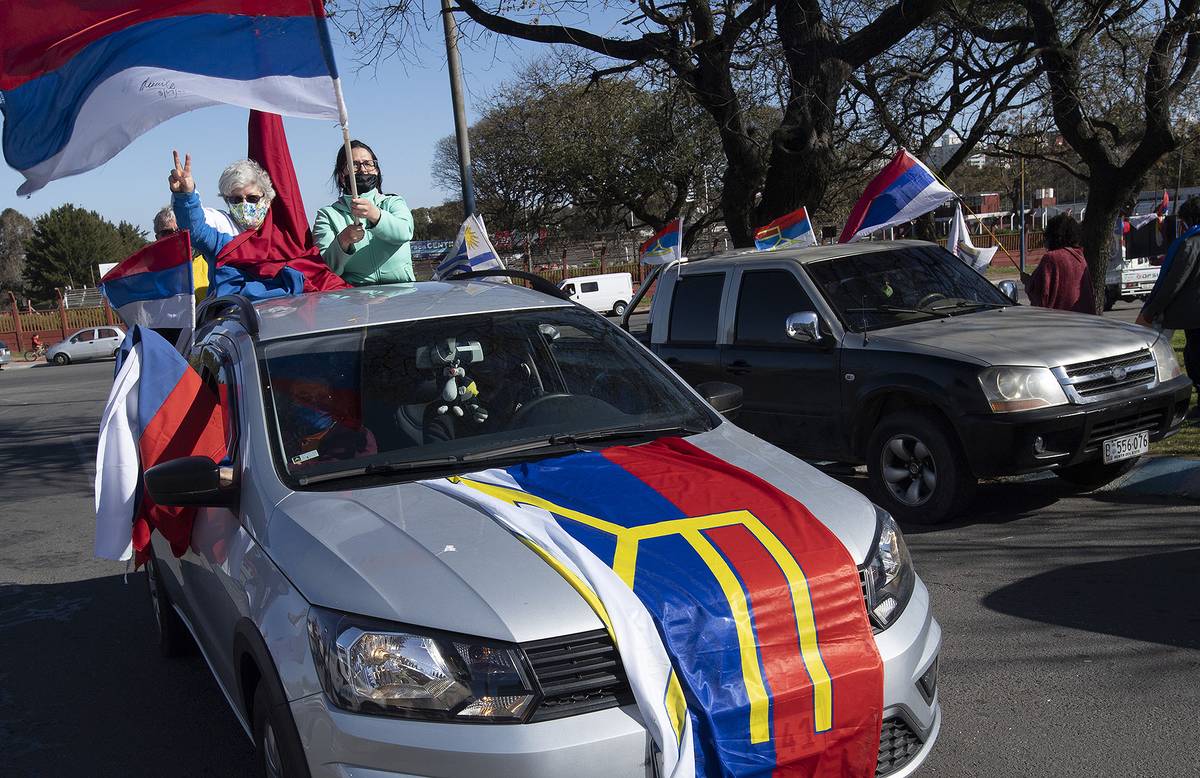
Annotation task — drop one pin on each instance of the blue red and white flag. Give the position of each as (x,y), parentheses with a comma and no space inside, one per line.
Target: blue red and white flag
(80,81)
(154,287)
(902,191)
(788,231)
(665,245)
(472,250)
(738,615)
(158,409)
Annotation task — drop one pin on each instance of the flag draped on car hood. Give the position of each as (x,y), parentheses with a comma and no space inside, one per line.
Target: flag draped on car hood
(158,409)
(738,615)
(902,191)
(154,287)
(79,81)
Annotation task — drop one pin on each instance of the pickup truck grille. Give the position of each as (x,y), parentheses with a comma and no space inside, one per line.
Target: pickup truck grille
(1096,380)
(1124,425)
(578,674)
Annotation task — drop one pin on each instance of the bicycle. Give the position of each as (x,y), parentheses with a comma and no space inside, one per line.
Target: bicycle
(35,354)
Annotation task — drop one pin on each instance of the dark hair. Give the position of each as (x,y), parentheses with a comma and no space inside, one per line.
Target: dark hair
(1061,231)
(339,167)
(1190,211)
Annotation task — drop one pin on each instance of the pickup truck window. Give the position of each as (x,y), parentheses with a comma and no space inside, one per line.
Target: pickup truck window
(887,288)
(695,308)
(765,300)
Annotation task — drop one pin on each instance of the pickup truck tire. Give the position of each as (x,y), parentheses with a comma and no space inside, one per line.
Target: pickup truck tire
(916,468)
(1093,475)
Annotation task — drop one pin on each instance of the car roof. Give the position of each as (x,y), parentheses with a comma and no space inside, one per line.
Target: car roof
(285,317)
(803,256)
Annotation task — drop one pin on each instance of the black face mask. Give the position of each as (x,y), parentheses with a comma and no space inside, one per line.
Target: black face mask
(366,181)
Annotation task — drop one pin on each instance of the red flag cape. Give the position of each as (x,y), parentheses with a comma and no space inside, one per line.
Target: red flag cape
(284,239)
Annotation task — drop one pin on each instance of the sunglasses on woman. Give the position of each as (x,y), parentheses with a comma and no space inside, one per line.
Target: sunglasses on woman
(235,199)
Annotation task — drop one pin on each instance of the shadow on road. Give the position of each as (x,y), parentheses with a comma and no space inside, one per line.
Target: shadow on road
(83,690)
(1148,598)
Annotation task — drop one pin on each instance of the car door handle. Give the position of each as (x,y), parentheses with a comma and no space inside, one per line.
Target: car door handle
(740,367)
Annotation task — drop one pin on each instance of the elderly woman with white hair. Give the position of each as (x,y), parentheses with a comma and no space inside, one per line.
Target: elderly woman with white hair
(244,186)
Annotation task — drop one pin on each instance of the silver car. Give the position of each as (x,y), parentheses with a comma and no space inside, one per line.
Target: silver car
(88,343)
(5,354)
(316,531)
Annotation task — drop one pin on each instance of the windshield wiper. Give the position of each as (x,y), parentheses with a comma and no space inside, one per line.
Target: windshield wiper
(622,432)
(898,309)
(968,304)
(435,463)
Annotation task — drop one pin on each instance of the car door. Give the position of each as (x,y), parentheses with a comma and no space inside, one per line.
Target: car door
(86,347)
(109,341)
(691,347)
(791,391)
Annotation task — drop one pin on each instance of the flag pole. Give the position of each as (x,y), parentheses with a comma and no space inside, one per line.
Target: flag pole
(344,120)
(980,218)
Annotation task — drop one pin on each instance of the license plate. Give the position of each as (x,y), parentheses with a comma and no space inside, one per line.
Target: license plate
(1141,275)
(1126,447)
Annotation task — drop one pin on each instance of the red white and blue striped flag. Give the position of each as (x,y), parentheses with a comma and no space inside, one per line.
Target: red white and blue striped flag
(791,230)
(154,287)
(80,81)
(902,191)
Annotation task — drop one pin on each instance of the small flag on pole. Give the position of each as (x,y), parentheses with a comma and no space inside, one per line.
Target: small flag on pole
(960,245)
(665,245)
(472,251)
(789,231)
(154,287)
(902,191)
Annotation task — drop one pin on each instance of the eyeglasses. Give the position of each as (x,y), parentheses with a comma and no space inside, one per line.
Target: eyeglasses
(364,166)
(235,199)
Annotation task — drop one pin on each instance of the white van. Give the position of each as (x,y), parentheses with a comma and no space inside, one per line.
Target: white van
(608,293)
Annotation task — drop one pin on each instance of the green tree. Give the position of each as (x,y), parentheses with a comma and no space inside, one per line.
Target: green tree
(66,245)
(15,229)
(438,222)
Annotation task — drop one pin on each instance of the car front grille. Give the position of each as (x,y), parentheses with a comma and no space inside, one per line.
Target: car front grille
(1102,431)
(578,674)
(898,744)
(1087,382)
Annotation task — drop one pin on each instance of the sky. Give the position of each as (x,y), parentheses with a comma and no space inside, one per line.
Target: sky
(401,109)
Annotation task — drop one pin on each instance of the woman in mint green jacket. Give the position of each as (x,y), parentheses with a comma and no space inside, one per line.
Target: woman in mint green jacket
(375,250)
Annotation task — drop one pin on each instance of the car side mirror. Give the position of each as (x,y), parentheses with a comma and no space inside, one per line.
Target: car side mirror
(725,398)
(804,327)
(1009,289)
(191,481)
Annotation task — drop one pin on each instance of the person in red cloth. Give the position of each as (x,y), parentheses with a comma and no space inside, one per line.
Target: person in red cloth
(1062,279)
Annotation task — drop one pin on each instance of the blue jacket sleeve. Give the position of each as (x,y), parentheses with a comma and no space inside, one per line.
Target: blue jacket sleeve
(189,215)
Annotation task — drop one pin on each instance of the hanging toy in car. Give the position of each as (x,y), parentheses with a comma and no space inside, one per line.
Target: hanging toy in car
(460,395)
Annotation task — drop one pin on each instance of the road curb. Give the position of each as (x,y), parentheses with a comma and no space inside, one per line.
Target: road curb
(1160,477)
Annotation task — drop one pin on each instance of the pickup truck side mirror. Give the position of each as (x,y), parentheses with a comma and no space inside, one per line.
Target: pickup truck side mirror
(804,327)
(725,398)
(192,481)
(1009,288)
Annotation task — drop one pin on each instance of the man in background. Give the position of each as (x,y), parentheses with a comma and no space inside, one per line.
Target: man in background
(165,225)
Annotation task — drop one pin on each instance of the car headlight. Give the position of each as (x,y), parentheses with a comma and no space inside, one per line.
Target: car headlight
(1164,359)
(888,574)
(371,666)
(1021,388)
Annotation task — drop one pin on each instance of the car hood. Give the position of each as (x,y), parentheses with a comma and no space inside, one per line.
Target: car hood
(1018,335)
(410,554)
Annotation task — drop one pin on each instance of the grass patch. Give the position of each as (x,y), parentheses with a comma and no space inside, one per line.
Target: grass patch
(1186,442)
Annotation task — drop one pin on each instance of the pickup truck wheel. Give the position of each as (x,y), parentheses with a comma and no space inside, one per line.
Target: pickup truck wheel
(619,308)
(916,468)
(173,636)
(1093,475)
(277,747)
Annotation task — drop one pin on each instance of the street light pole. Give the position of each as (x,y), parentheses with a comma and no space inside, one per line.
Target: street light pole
(1022,209)
(460,111)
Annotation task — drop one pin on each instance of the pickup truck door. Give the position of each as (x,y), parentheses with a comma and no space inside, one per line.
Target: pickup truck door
(791,389)
(690,348)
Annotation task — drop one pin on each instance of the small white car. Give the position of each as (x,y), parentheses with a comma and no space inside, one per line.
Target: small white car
(90,343)
(607,293)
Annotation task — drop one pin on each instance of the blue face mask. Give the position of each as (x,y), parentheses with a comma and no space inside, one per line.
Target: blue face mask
(249,216)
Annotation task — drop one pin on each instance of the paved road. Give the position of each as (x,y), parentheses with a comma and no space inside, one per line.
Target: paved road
(1072,626)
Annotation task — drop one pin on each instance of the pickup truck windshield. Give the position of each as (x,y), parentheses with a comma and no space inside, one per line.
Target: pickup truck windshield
(887,288)
(440,392)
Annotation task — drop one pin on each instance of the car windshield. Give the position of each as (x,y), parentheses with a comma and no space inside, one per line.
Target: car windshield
(898,286)
(454,390)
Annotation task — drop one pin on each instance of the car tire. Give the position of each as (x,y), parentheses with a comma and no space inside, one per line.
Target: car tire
(173,636)
(1093,475)
(1110,298)
(116,352)
(619,308)
(61,359)
(277,747)
(937,484)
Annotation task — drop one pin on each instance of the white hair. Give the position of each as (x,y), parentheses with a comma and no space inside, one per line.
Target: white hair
(243,173)
(164,219)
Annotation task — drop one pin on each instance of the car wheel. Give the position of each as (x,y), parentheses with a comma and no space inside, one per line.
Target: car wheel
(1093,475)
(277,747)
(1110,298)
(619,308)
(173,636)
(61,359)
(916,468)
(116,352)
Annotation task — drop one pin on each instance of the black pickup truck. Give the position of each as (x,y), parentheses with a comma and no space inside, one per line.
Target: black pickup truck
(897,355)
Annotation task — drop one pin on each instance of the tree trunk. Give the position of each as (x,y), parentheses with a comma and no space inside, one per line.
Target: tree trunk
(1104,200)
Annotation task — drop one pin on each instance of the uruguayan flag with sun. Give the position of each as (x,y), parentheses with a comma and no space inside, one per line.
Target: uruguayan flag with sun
(472,251)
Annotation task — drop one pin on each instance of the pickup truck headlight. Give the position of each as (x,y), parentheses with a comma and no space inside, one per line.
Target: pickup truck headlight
(888,574)
(1021,388)
(370,666)
(1164,359)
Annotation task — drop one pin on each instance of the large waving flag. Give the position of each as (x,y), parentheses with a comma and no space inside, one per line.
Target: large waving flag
(158,409)
(154,287)
(79,81)
(788,231)
(665,245)
(738,615)
(902,191)
(472,250)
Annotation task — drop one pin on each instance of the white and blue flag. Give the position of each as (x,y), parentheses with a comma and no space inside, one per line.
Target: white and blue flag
(471,251)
